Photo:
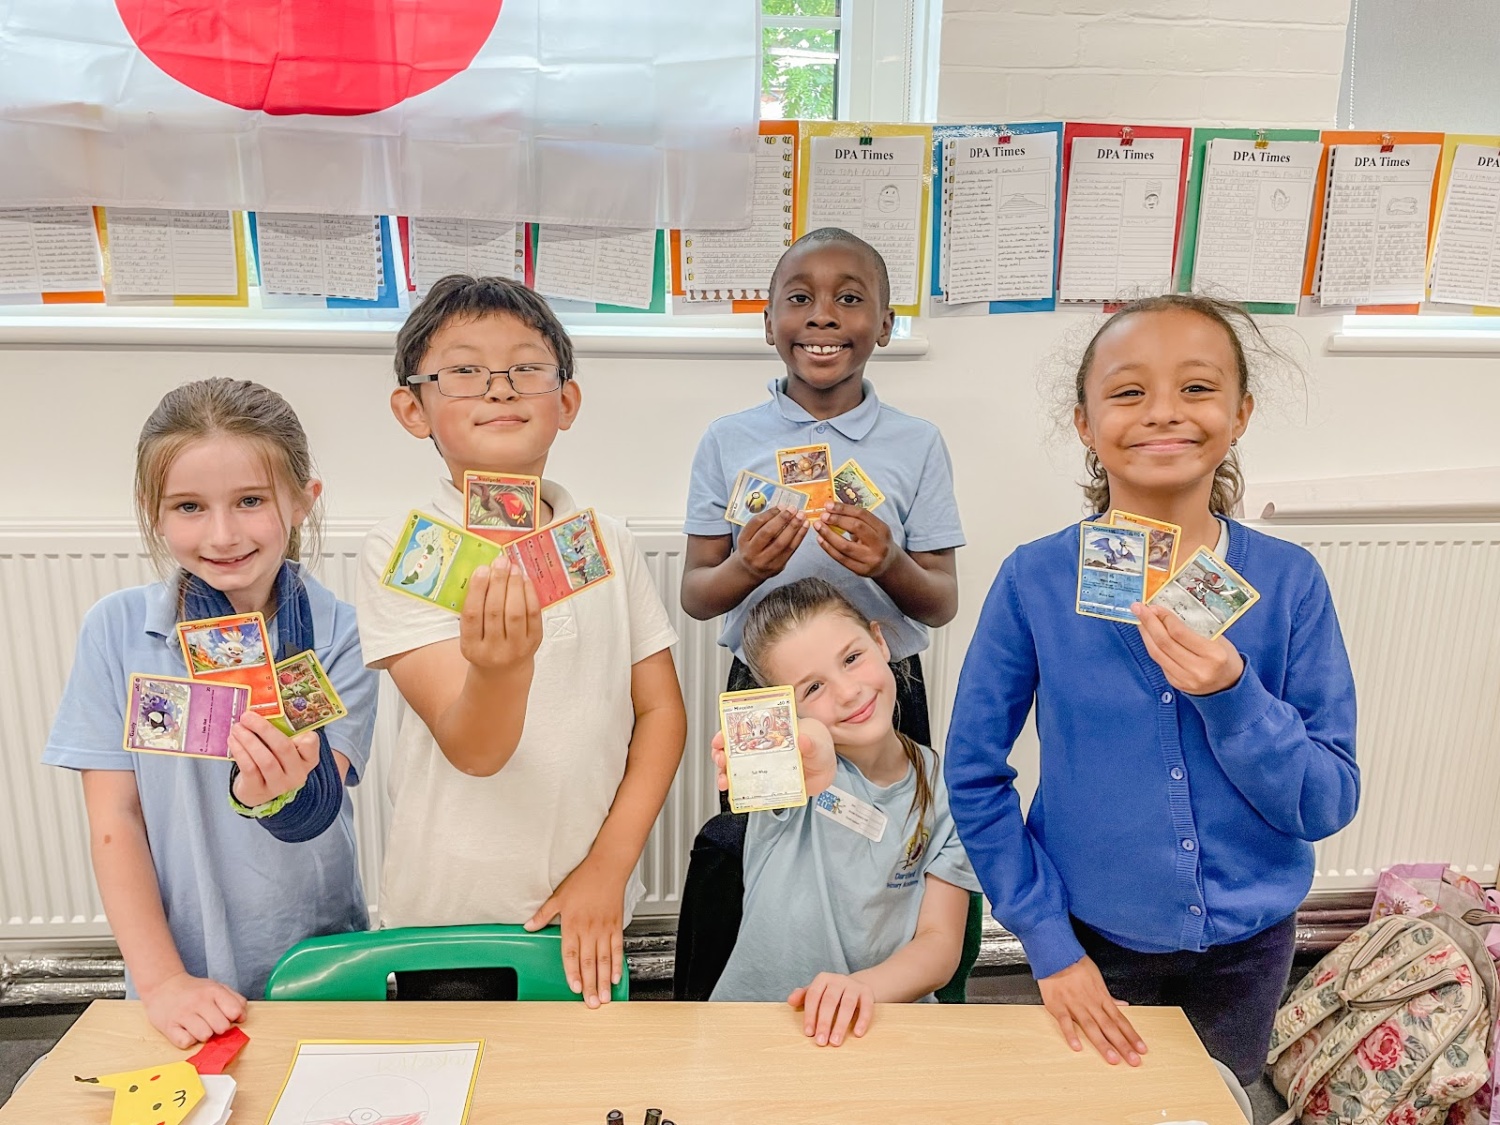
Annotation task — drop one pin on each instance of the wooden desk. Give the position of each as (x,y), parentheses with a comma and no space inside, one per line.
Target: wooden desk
(704,1064)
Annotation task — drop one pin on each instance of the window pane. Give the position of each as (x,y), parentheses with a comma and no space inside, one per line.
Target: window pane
(799,72)
(800,7)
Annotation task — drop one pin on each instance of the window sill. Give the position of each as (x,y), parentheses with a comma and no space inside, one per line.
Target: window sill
(1414,335)
(291,333)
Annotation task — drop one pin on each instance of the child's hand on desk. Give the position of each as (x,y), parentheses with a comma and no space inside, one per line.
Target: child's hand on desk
(189,1010)
(501,623)
(869,552)
(1079,999)
(1191,663)
(816,747)
(830,1003)
(590,904)
(271,763)
(769,541)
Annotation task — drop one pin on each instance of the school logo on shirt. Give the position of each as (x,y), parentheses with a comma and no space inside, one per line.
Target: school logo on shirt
(906,871)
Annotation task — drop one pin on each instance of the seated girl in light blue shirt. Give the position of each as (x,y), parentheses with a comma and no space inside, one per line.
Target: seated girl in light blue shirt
(209,871)
(860,896)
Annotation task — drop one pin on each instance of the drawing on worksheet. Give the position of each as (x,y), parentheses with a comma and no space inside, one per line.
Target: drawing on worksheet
(362,1083)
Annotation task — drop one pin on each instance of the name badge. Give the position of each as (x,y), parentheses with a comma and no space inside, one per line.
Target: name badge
(851,812)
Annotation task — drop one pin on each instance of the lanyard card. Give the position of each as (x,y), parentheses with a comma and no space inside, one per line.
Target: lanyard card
(761,757)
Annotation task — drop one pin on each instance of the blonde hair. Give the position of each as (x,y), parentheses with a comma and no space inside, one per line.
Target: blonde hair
(229,408)
(1240,327)
(785,610)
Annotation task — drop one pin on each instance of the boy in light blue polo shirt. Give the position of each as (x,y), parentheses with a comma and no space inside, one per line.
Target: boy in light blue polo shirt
(829,309)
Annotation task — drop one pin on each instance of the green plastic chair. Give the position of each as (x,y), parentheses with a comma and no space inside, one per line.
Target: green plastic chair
(954,991)
(356,966)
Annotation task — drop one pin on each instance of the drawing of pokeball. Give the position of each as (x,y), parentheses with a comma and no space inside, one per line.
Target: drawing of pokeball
(381,1099)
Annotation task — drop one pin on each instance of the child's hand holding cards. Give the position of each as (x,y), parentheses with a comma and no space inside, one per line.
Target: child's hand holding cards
(761,759)
(1206,594)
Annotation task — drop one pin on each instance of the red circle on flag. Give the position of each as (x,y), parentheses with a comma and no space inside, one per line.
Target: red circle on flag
(334,57)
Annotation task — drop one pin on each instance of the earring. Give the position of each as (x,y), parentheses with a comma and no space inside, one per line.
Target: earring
(1234,441)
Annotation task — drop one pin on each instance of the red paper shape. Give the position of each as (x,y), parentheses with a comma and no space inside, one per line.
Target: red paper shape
(331,57)
(219,1051)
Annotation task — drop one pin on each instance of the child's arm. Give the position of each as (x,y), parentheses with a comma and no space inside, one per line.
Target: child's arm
(995,693)
(183,1008)
(923,584)
(590,902)
(1291,757)
(472,692)
(716,577)
(832,1002)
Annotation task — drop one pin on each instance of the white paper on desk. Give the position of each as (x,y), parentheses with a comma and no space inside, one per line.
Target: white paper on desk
(1466,262)
(998,217)
(475,247)
(1252,219)
(1374,244)
(740,261)
(167,253)
(339,1082)
(875,191)
(608,267)
(1120,223)
(48,250)
(215,1108)
(319,255)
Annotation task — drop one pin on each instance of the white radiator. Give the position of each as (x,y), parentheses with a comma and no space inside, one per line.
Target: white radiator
(1419,604)
(51,574)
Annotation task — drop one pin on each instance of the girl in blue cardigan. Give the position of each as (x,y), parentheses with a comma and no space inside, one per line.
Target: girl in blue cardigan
(1183,780)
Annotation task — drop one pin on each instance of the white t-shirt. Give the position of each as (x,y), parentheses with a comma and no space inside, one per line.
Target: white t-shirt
(463,849)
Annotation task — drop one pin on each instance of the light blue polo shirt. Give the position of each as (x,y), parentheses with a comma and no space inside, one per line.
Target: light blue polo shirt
(903,455)
(236,898)
(821,897)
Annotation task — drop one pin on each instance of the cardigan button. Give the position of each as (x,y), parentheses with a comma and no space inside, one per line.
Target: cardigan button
(1177,774)
(1188,845)
(1166,697)
(1195,910)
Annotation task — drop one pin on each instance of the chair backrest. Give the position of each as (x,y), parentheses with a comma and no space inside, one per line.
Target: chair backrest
(356,966)
(954,991)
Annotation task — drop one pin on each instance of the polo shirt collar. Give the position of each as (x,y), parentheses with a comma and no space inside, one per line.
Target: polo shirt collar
(161,606)
(853,424)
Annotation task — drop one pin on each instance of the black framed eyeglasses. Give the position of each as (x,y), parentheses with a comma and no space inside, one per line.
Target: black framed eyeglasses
(469,380)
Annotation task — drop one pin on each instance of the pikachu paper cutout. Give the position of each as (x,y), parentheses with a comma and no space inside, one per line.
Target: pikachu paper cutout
(157,1095)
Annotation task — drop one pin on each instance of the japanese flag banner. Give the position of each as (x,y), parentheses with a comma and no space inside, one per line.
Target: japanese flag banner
(619,113)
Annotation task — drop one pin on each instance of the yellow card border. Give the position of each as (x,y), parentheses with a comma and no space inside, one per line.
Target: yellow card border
(473,1078)
(130,697)
(1139,522)
(1227,569)
(768,693)
(735,488)
(404,535)
(1451,141)
(341,712)
(851,463)
(807,130)
(265,636)
(1145,549)
(827,458)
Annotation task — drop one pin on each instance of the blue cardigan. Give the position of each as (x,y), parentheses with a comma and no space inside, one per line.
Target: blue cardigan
(1164,821)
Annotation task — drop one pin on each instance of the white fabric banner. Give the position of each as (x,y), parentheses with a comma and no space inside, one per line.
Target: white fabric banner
(580,112)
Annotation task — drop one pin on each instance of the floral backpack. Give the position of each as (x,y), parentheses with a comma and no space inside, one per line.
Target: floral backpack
(1394,1026)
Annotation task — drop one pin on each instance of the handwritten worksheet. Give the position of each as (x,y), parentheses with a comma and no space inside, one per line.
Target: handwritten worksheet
(1252,221)
(48,250)
(1466,263)
(319,255)
(1375,224)
(722,265)
(998,218)
(872,186)
(476,247)
(1121,218)
(155,253)
(608,267)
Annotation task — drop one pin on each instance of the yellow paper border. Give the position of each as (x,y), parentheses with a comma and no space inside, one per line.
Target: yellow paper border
(473,1078)
(1445,170)
(240,299)
(787,694)
(807,130)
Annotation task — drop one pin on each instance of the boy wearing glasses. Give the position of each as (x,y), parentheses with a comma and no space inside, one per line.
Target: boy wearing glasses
(540,744)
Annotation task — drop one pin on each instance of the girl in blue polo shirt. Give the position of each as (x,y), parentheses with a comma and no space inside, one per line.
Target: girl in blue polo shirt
(1183,780)
(209,871)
